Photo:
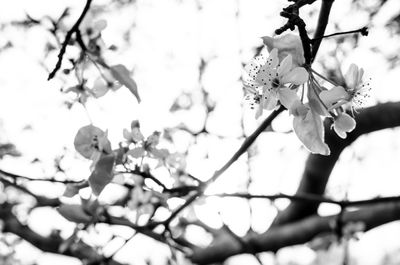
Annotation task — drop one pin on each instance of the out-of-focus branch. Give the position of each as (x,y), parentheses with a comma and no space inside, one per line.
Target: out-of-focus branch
(15,176)
(321,26)
(294,233)
(318,168)
(242,149)
(311,198)
(41,201)
(52,243)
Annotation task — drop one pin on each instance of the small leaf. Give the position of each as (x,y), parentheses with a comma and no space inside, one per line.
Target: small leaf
(310,131)
(66,244)
(89,139)
(122,74)
(71,190)
(8,149)
(136,152)
(100,87)
(102,173)
(74,213)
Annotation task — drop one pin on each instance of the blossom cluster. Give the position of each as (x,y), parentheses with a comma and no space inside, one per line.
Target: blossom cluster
(283,79)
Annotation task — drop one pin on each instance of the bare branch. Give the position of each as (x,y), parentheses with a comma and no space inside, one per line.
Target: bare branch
(321,26)
(74,29)
(318,168)
(51,243)
(294,233)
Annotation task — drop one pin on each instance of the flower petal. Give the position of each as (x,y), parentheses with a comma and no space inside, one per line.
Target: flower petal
(296,76)
(351,76)
(287,44)
(272,60)
(344,123)
(253,67)
(333,95)
(270,100)
(287,97)
(298,109)
(285,66)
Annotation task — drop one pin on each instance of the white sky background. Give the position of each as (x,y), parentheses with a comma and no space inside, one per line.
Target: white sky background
(167,41)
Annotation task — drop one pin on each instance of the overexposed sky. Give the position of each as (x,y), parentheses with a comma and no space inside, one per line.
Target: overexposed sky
(167,41)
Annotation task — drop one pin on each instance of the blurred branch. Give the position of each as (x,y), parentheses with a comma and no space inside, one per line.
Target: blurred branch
(51,243)
(318,168)
(41,201)
(15,176)
(312,198)
(242,149)
(294,233)
(74,29)
(321,26)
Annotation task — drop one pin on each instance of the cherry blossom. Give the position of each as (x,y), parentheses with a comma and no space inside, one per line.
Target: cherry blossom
(266,80)
(353,94)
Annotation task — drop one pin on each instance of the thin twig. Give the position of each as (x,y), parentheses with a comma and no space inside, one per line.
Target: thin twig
(363,31)
(242,149)
(74,29)
(15,176)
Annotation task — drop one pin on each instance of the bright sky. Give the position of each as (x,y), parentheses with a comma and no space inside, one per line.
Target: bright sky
(168,38)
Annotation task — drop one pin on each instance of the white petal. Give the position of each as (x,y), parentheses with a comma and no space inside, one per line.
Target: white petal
(287,97)
(299,109)
(351,76)
(296,76)
(344,123)
(340,133)
(333,95)
(285,66)
(269,100)
(252,67)
(272,59)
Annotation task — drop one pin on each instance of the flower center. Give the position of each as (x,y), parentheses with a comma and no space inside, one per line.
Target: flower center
(275,83)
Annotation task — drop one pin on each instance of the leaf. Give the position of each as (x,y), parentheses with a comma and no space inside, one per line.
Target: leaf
(8,149)
(310,131)
(89,139)
(74,213)
(100,87)
(102,173)
(71,190)
(122,74)
(136,152)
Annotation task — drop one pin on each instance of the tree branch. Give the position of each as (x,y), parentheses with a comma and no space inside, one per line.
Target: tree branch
(74,29)
(51,243)
(242,149)
(295,233)
(318,168)
(321,26)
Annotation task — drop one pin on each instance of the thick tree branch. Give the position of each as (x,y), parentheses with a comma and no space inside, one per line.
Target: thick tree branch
(51,243)
(318,168)
(321,26)
(294,233)
(41,201)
